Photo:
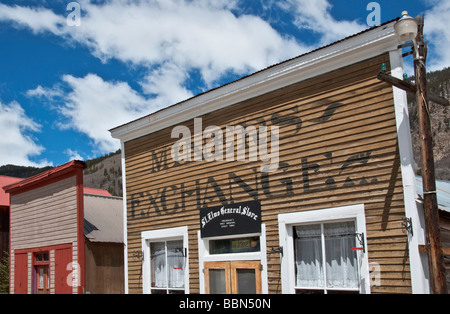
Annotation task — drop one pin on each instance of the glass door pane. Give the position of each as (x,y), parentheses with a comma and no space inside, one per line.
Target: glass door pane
(246,281)
(246,277)
(217,278)
(217,281)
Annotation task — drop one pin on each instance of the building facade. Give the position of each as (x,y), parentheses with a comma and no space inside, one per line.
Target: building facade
(296,179)
(64,239)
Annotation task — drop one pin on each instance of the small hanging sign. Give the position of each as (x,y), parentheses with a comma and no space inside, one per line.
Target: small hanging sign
(233,219)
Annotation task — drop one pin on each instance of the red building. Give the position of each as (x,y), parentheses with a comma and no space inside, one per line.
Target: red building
(58,230)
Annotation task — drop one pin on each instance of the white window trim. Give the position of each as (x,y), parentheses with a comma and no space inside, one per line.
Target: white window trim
(147,237)
(204,256)
(287,221)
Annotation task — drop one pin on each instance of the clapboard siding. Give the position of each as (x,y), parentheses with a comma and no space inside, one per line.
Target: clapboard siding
(338,147)
(45,216)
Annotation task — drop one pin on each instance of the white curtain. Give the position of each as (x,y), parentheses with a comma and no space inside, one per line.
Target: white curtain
(341,265)
(308,257)
(175,260)
(342,270)
(158,262)
(170,273)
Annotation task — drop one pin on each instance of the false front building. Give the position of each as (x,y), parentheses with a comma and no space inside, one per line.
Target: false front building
(64,238)
(295,179)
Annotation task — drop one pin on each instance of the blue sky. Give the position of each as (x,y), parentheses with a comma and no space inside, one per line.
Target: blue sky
(63,86)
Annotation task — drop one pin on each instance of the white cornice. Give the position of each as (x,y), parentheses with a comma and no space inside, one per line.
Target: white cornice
(351,50)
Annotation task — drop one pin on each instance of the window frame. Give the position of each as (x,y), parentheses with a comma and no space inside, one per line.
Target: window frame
(163,235)
(286,222)
(204,256)
(41,264)
(323,248)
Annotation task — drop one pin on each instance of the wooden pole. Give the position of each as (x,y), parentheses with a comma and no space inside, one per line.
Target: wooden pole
(409,88)
(433,234)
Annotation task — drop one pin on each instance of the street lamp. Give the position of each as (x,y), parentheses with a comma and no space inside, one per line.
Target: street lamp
(406,28)
(411,29)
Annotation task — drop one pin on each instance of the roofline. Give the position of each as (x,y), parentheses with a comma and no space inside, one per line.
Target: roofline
(362,46)
(41,178)
(112,197)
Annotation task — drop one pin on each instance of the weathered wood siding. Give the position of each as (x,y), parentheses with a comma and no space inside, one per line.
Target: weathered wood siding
(104,268)
(444,220)
(338,147)
(45,217)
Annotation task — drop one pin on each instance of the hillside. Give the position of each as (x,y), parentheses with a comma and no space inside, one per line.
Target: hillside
(106,173)
(101,173)
(438,83)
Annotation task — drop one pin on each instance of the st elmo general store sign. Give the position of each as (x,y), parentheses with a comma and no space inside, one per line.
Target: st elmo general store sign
(233,219)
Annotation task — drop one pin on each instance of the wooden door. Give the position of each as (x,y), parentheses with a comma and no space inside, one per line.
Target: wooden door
(63,277)
(236,277)
(42,279)
(246,277)
(21,273)
(218,278)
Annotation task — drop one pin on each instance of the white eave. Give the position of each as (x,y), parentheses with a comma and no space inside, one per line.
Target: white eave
(363,46)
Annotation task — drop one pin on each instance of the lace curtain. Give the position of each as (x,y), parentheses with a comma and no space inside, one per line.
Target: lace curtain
(341,263)
(170,273)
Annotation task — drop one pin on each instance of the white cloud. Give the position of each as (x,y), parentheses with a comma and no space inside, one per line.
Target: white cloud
(37,19)
(73,155)
(314,15)
(166,84)
(17,145)
(168,39)
(49,93)
(94,106)
(197,34)
(437,32)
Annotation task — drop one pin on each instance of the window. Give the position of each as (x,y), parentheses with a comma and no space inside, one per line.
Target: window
(325,259)
(167,267)
(324,251)
(41,273)
(41,257)
(165,264)
(234,245)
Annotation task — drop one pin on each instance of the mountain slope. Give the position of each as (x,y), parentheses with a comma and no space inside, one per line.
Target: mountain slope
(438,83)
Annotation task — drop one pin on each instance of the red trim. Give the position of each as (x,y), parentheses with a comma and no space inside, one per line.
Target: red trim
(45,178)
(35,250)
(44,248)
(80,225)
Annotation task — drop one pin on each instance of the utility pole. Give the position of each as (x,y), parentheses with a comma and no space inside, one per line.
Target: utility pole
(431,212)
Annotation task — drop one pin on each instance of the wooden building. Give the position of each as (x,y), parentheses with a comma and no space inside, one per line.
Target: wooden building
(443,199)
(327,216)
(64,238)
